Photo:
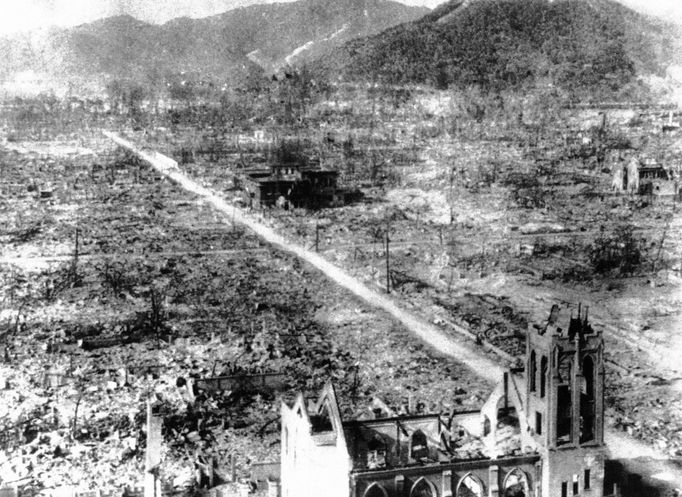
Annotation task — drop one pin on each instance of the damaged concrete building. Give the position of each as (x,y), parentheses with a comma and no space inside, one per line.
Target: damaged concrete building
(644,179)
(540,433)
(291,184)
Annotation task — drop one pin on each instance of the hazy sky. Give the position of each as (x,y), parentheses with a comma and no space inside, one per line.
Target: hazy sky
(21,15)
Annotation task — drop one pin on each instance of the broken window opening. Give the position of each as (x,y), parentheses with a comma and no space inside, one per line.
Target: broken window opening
(507,415)
(375,490)
(587,401)
(538,423)
(419,448)
(422,489)
(515,484)
(322,422)
(564,420)
(543,376)
(376,453)
(470,486)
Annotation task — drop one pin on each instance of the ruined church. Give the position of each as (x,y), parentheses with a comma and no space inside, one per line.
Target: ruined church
(539,434)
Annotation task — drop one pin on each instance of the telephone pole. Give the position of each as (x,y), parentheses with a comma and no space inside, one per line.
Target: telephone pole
(388,265)
(317,237)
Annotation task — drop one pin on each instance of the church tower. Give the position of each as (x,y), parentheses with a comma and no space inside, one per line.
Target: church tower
(565,402)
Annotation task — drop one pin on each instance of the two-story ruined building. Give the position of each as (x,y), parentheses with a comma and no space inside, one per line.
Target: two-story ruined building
(540,433)
(295,184)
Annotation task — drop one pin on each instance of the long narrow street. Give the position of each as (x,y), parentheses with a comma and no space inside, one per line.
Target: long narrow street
(635,456)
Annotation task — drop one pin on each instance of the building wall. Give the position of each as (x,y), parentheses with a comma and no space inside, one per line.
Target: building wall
(396,436)
(313,465)
(568,466)
(659,187)
(445,480)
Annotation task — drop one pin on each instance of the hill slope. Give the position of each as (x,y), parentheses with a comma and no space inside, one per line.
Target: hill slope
(220,46)
(576,44)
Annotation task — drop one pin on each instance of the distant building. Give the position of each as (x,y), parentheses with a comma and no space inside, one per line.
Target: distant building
(292,184)
(540,433)
(644,179)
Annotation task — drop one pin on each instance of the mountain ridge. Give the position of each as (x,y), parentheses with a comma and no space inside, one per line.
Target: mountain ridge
(214,47)
(496,44)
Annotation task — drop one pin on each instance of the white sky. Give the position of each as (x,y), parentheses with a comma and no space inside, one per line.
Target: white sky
(23,15)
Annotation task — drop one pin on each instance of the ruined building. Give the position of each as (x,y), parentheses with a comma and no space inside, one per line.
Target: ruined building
(644,179)
(294,184)
(540,433)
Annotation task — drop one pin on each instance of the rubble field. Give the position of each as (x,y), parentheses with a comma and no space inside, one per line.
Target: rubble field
(492,221)
(119,289)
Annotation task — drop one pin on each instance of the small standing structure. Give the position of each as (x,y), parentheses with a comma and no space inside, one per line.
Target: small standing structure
(152,483)
(636,177)
(292,184)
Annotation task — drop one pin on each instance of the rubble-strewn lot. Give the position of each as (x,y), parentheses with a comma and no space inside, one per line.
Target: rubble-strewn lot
(119,288)
(493,217)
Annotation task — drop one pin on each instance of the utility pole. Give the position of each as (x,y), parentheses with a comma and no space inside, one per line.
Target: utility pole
(665,233)
(388,265)
(74,263)
(317,237)
(77,236)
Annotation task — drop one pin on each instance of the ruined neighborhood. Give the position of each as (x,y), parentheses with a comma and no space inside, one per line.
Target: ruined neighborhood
(350,248)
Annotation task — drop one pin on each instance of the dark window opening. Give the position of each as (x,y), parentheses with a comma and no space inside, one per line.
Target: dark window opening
(588,377)
(322,421)
(587,479)
(422,489)
(486,426)
(375,490)
(419,447)
(564,489)
(575,485)
(543,376)
(507,415)
(564,420)
(587,401)
(538,423)
(376,453)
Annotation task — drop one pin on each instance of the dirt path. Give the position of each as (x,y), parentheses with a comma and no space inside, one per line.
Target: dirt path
(632,453)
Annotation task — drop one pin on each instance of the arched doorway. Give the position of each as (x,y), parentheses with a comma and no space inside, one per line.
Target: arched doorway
(470,486)
(375,490)
(515,484)
(423,488)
